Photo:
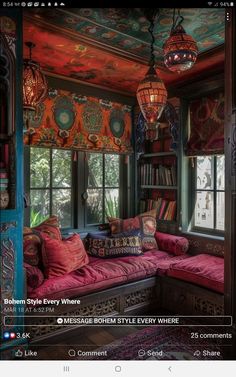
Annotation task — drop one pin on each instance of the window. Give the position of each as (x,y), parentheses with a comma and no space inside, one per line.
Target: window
(50,185)
(209,208)
(81,188)
(103,187)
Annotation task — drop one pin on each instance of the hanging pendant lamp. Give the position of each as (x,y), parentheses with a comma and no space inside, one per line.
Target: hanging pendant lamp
(34,85)
(180,49)
(151,92)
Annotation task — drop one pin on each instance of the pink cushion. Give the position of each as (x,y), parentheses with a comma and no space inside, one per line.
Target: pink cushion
(101,274)
(173,244)
(203,269)
(60,257)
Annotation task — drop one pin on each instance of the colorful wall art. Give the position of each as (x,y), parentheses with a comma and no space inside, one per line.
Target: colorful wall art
(71,121)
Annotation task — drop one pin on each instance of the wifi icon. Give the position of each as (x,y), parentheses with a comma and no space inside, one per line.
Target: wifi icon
(210,3)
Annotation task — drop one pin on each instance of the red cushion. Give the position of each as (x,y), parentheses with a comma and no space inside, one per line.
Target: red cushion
(146,222)
(173,244)
(31,247)
(63,256)
(32,242)
(51,227)
(203,269)
(100,274)
(34,276)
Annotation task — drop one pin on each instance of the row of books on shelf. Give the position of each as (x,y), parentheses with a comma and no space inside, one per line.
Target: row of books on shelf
(166,209)
(159,175)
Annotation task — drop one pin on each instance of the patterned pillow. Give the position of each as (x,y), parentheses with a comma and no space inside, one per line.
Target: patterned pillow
(31,247)
(109,247)
(32,242)
(146,223)
(51,227)
(34,276)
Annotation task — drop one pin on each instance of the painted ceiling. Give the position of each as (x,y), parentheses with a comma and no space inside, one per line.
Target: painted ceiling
(111,46)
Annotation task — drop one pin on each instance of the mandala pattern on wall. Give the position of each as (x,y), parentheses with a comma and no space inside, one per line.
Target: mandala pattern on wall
(116,123)
(64,112)
(92,117)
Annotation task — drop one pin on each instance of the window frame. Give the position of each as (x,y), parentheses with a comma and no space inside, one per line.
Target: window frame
(79,179)
(103,187)
(193,189)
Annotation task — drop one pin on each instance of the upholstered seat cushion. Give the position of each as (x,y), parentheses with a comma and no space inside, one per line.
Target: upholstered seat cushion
(203,269)
(100,274)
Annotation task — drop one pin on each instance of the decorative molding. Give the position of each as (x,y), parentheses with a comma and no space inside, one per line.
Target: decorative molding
(139,297)
(206,307)
(5,226)
(198,245)
(7,277)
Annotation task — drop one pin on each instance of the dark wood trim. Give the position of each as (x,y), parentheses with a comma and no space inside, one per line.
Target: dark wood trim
(83,87)
(230,157)
(202,84)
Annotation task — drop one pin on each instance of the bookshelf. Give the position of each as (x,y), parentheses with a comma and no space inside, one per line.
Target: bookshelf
(158,179)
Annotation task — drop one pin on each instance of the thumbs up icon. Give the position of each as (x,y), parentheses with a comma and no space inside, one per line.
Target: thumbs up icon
(18,353)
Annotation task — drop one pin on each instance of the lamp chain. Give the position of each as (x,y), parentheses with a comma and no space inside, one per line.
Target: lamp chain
(177,20)
(150,29)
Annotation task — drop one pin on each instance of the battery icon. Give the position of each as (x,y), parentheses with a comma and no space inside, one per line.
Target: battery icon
(231,4)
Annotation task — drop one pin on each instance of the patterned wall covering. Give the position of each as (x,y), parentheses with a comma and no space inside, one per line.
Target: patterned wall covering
(206,126)
(69,120)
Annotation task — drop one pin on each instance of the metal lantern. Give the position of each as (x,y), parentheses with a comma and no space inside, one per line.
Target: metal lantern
(180,49)
(34,84)
(152,96)
(151,92)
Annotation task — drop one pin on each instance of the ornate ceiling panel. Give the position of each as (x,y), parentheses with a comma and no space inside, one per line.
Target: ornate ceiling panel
(111,46)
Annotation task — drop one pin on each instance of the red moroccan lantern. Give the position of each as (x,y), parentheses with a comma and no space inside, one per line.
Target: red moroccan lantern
(151,96)
(180,49)
(34,83)
(151,92)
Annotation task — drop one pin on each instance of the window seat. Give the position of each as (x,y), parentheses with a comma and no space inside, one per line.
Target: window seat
(101,274)
(131,285)
(203,269)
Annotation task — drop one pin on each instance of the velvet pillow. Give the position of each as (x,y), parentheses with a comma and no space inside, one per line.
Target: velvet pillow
(145,222)
(34,276)
(60,257)
(109,247)
(31,247)
(173,244)
(32,242)
(51,227)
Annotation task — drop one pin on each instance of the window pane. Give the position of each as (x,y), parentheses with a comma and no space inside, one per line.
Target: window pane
(94,206)
(220,210)
(111,203)
(39,207)
(204,215)
(112,169)
(39,167)
(220,162)
(61,168)
(61,206)
(205,169)
(95,162)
